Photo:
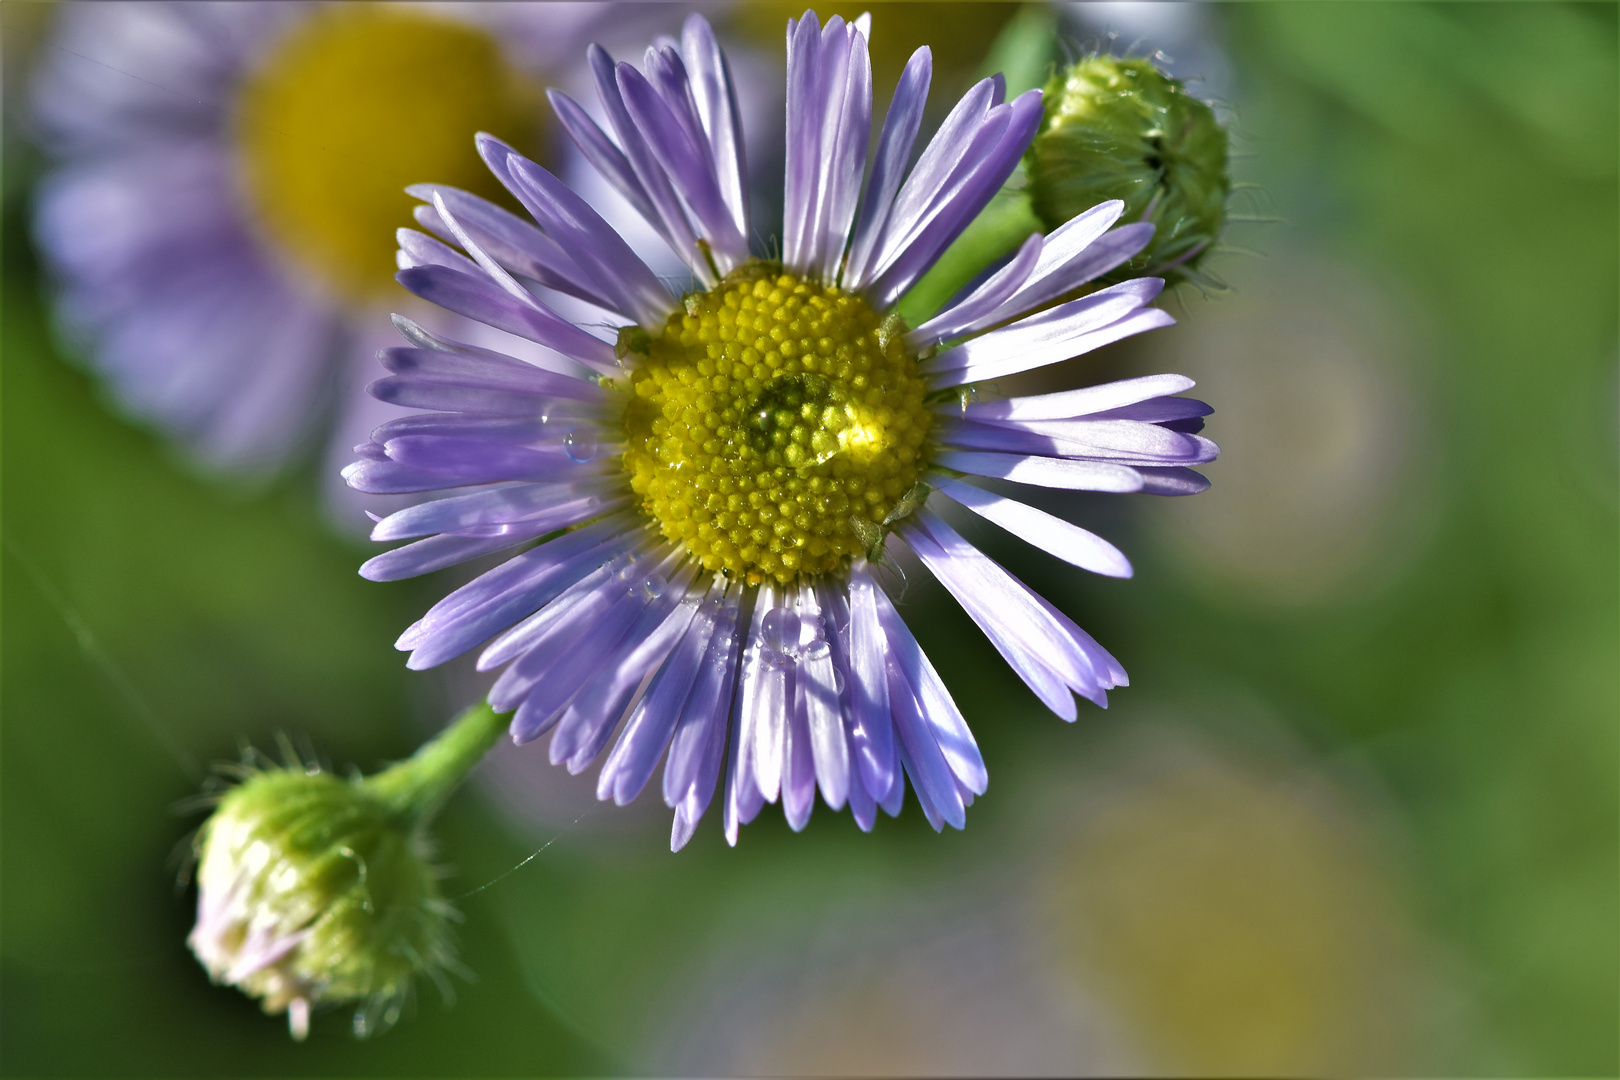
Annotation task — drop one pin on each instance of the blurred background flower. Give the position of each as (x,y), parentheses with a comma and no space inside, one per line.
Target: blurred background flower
(1355,815)
(230,176)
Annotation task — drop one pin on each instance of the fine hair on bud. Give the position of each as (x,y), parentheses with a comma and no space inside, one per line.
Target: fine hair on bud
(313,891)
(1120,128)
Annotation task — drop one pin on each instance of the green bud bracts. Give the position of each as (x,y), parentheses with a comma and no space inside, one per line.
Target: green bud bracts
(313,889)
(1119,128)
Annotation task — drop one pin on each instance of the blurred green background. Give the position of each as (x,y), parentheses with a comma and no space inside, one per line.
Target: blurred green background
(1356,814)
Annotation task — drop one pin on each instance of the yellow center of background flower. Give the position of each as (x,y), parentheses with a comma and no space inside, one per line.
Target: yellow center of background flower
(766,415)
(350,107)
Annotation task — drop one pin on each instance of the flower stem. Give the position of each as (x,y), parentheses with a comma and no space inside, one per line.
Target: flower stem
(997,231)
(419,785)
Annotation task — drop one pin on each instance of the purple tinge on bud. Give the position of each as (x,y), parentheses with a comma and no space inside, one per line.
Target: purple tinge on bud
(312,891)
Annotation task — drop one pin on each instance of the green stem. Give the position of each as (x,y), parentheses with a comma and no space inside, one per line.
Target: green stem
(419,785)
(997,231)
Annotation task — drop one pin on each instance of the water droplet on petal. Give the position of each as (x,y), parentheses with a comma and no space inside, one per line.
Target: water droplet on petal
(780,629)
(818,650)
(580,444)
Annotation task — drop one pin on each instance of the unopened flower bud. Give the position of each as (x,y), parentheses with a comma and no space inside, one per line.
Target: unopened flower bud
(1119,128)
(312,890)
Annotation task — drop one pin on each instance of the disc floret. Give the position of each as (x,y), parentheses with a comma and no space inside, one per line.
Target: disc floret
(767,415)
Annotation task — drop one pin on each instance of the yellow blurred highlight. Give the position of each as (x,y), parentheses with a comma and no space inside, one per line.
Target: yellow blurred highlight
(1239,922)
(350,107)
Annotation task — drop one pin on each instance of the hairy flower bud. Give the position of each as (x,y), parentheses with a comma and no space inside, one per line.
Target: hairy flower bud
(312,890)
(1119,128)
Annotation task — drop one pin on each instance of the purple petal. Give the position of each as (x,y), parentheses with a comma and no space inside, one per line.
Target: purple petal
(422,339)
(846,160)
(1001,598)
(871,730)
(802,135)
(558,503)
(715,95)
(517,429)
(987,163)
(1085,402)
(434,553)
(1051,534)
(614,269)
(608,160)
(1160,410)
(390,478)
(1172,481)
(1099,257)
(891,801)
(817,689)
(862,807)
(1028,662)
(484,301)
(687,164)
(939,160)
(703,723)
(1046,338)
(606,698)
(975,308)
(706,707)
(420,249)
(930,775)
(1124,441)
(665,72)
(743,797)
(514,243)
(669,217)
(944,721)
(604,575)
(798,762)
(488,371)
(1121,442)
(565,645)
(475,461)
(1044,471)
(514,590)
(631,763)
(768,699)
(829,109)
(888,166)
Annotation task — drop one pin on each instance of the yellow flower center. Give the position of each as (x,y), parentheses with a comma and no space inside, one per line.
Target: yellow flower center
(351,106)
(768,415)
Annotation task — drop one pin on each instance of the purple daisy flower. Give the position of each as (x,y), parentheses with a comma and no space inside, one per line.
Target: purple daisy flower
(706,494)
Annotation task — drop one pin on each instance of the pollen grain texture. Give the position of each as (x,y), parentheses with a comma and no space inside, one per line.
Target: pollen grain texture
(767,414)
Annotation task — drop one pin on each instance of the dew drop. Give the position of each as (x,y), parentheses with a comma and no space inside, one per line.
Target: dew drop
(580,444)
(653,587)
(818,650)
(780,629)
